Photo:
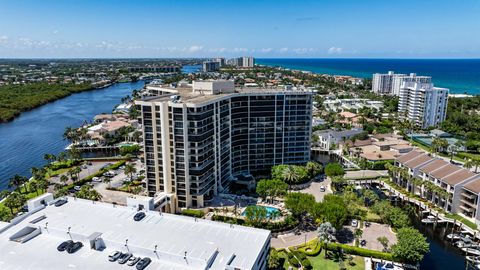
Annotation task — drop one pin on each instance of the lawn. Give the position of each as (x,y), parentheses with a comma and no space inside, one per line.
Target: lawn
(319,262)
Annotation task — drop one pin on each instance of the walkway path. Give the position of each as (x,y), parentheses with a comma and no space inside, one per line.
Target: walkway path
(290,239)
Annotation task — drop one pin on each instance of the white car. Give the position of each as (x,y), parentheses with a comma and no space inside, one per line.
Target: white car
(322,189)
(354,223)
(96,179)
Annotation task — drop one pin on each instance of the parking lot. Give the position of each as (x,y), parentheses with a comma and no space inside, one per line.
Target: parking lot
(315,186)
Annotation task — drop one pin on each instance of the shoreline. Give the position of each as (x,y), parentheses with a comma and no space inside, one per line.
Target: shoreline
(366,73)
(16,115)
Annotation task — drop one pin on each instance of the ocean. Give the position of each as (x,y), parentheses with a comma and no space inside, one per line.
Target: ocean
(459,75)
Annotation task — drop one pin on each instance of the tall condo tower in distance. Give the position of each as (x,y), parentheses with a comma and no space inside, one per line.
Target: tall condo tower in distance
(423,104)
(390,83)
(200,137)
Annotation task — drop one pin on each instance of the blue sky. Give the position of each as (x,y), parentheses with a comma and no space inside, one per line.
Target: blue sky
(322,28)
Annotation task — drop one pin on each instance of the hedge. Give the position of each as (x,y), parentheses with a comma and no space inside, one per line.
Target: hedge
(315,247)
(306,264)
(64,164)
(361,251)
(193,213)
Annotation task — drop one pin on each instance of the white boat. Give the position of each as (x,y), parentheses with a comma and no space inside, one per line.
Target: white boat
(454,236)
(473,259)
(472,251)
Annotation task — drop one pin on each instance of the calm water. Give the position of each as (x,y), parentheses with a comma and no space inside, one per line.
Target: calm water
(442,255)
(460,75)
(26,139)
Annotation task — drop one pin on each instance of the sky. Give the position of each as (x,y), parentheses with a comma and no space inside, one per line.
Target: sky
(261,28)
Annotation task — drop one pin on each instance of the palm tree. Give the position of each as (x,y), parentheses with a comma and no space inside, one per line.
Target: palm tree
(64,179)
(43,184)
(290,176)
(313,168)
(130,170)
(325,234)
(14,200)
(107,181)
(17,181)
(34,186)
(471,163)
(439,144)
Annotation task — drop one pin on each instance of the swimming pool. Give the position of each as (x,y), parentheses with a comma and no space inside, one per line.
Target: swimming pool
(269,209)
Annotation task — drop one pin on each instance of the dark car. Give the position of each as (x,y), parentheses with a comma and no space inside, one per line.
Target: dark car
(143,263)
(124,258)
(60,202)
(139,216)
(113,257)
(63,246)
(74,247)
(133,260)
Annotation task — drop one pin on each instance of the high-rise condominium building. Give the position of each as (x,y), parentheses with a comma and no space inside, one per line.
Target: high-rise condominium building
(220,60)
(423,104)
(211,66)
(247,62)
(397,81)
(390,83)
(199,138)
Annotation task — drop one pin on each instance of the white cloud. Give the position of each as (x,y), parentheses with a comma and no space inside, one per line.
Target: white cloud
(194,49)
(236,50)
(283,50)
(335,50)
(3,39)
(266,50)
(55,32)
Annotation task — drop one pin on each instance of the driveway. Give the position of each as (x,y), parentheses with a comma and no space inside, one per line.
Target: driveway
(91,169)
(290,239)
(314,189)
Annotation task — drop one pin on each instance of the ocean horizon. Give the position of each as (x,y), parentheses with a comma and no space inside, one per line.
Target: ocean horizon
(459,75)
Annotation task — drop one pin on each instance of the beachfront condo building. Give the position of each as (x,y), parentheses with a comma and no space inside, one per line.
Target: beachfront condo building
(202,136)
(390,83)
(242,62)
(422,104)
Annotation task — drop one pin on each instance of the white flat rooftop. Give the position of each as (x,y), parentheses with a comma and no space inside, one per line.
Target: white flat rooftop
(181,242)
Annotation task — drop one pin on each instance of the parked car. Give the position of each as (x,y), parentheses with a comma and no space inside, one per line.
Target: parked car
(61,202)
(64,245)
(124,258)
(114,256)
(139,216)
(74,247)
(143,263)
(77,188)
(322,189)
(133,260)
(96,179)
(84,166)
(354,223)
(89,163)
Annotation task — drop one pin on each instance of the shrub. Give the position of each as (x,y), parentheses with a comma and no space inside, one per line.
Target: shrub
(293,261)
(193,213)
(306,264)
(361,251)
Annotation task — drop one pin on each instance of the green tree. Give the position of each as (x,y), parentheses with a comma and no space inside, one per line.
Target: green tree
(87,192)
(274,261)
(411,245)
(334,210)
(130,170)
(334,169)
(271,188)
(326,234)
(384,242)
(5,215)
(64,179)
(255,215)
(17,181)
(299,203)
(15,200)
(313,168)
